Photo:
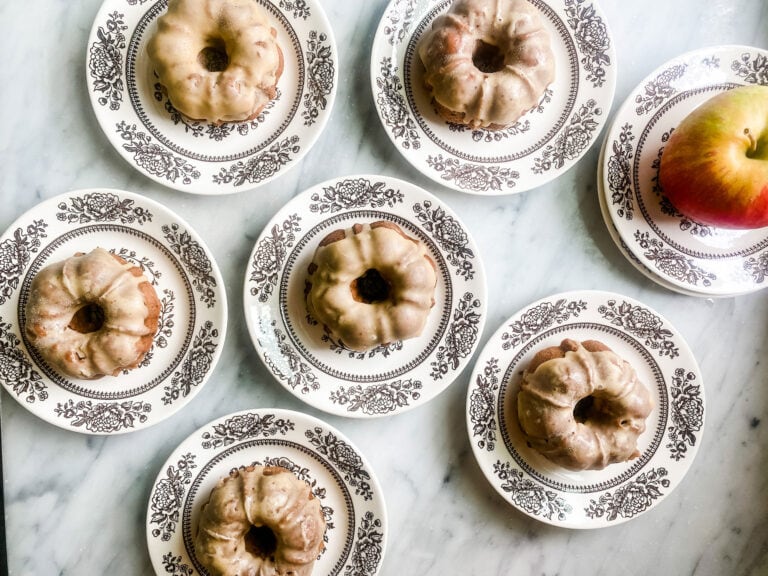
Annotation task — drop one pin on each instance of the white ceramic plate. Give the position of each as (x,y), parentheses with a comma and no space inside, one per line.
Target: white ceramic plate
(355,512)
(193,314)
(614,234)
(678,252)
(309,363)
(622,491)
(540,146)
(199,157)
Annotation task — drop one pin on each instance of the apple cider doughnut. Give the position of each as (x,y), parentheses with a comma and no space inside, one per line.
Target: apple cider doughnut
(218,60)
(260,520)
(371,284)
(91,315)
(487,62)
(581,406)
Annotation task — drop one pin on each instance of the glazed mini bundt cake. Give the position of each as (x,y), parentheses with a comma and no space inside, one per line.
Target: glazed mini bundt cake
(92,314)
(582,406)
(260,521)
(371,284)
(487,62)
(218,60)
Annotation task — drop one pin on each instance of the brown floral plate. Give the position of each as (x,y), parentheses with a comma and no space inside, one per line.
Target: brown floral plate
(319,369)
(543,144)
(665,245)
(621,491)
(200,157)
(193,312)
(338,474)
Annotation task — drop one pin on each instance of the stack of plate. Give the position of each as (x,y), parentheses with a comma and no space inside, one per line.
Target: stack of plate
(667,247)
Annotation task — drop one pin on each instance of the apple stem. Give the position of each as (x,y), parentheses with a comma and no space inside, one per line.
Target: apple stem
(752,142)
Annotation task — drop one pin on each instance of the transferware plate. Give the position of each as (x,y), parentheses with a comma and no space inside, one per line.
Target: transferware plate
(193,310)
(540,146)
(621,491)
(195,156)
(671,249)
(338,474)
(623,248)
(312,364)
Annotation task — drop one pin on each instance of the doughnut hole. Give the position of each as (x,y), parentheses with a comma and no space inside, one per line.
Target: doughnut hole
(261,541)
(487,57)
(214,56)
(591,409)
(584,410)
(90,318)
(371,287)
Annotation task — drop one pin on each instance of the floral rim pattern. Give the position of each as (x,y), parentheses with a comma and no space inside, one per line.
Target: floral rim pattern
(338,475)
(176,263)
(589,499)
(546,141)
(311,363)
(668,247)
(195,156)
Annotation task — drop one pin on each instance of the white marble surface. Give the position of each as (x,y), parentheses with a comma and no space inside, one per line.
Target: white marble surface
(76,504)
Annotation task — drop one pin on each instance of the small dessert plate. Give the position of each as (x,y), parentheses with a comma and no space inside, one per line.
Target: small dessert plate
(199,157)
(614,234)
(312,364)
(590,498)
(193,310)
(671,249)
(540,146)
(338,474)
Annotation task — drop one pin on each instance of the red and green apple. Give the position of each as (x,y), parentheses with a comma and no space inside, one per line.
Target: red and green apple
(714,168)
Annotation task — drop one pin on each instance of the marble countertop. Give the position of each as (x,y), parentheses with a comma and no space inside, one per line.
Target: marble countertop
(76,504)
